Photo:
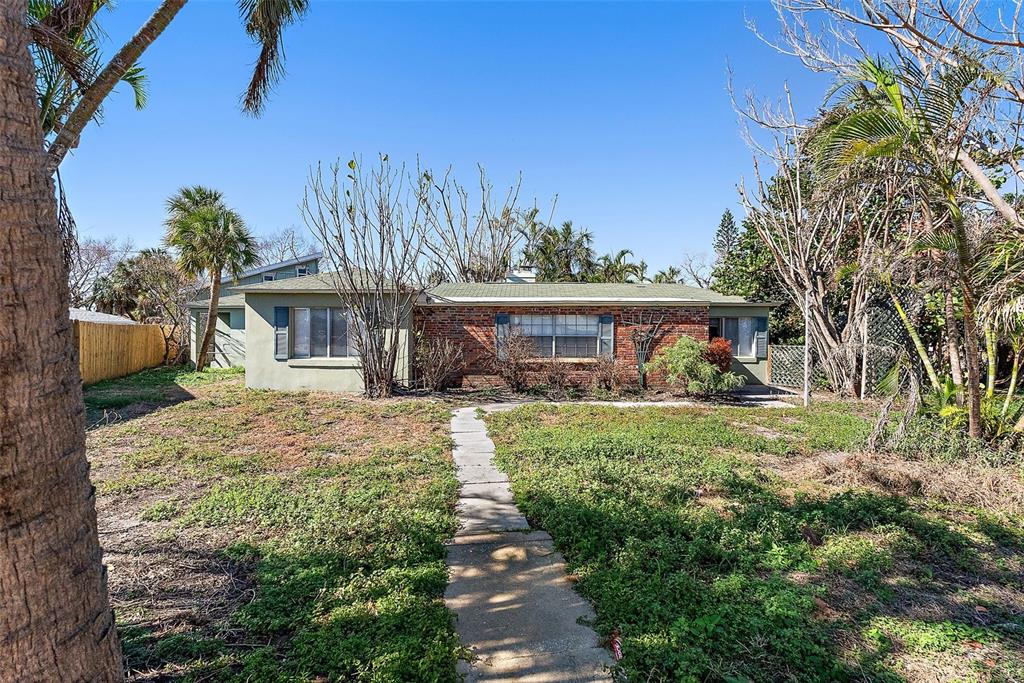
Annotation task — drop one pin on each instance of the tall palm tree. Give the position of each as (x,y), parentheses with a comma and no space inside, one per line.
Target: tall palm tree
(68,62)
(900,113)
(57,619)
(58,35)
(210,239)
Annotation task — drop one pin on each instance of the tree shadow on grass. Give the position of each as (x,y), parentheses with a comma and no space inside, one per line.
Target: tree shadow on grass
(282,612)
(126,398)
(767,589)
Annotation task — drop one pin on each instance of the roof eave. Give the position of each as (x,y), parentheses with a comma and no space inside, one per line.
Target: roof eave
(256,290)
(206,304)
(560,300)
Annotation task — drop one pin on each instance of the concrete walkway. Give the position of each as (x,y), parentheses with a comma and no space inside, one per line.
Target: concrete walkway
(515,608)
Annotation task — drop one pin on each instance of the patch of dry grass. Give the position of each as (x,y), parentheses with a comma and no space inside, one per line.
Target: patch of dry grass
(256,535)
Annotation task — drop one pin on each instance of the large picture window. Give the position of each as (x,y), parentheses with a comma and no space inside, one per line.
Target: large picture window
(565,335)
(322,333)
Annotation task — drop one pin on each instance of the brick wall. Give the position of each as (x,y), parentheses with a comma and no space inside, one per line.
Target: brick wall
(473,327)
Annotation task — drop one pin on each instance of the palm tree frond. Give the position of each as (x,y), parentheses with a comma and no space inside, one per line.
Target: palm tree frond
(265,22)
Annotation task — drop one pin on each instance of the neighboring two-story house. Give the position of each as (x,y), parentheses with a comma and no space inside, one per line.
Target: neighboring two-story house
(229,340)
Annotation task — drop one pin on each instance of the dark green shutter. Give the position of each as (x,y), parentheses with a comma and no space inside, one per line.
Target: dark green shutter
(761,337)
(606,335)
(501,331)
(281,332)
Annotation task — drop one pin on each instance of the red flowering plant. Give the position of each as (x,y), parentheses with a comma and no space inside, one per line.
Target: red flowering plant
(719,353)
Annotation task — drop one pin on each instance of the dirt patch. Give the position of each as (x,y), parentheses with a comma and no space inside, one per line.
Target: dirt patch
(168,582)
(151,461)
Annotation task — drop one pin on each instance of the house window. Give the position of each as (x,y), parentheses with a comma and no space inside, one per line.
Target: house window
(268,277)
(565,336)
(301,271)
(322,333)
(741,333)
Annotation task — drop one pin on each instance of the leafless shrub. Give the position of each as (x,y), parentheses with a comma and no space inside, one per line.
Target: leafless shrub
(697,269)
(512,358)
(644,332)
(468,240)
(438,362)
(607,376)
(369,226)
(557,375)
(285,245)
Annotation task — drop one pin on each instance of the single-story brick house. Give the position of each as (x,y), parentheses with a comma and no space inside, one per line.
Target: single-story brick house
(297,330)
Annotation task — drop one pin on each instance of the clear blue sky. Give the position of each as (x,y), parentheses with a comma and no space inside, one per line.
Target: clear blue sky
(619,109)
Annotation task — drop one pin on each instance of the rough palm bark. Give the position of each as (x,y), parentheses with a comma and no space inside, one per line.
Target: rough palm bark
(55,619)
(202,358)
(991,348)
(953,340)
(972,352)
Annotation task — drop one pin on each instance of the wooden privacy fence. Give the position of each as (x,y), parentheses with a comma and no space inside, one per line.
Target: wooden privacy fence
(106,351)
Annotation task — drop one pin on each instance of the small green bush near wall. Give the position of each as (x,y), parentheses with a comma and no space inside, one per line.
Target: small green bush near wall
(687,365)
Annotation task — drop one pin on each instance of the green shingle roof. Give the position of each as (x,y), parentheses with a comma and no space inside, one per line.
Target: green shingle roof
(320,282)
(576,291)
(516,292)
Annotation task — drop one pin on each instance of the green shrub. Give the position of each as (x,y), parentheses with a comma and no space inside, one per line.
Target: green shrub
(686,364)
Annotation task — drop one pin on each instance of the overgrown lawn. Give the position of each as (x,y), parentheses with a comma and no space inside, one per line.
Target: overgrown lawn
(753,544)
(268,536)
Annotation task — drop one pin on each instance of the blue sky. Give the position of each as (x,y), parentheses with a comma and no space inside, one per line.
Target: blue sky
(619,109)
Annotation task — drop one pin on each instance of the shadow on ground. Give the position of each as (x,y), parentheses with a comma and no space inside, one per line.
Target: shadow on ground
(714,569)
(127,398)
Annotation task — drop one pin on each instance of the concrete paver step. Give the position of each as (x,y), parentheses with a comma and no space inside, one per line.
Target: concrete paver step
(515,608)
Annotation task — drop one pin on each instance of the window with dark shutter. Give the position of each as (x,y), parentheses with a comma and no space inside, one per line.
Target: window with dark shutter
(280,332)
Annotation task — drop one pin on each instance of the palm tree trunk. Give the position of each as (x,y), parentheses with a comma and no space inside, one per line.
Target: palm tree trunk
(965,265)
(972,352)
(92,98)
(1018,351)
(990,352)
(211,321)
(916,339)
(953,341)
(55,619)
